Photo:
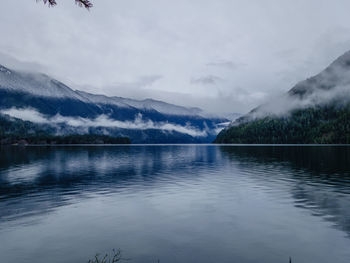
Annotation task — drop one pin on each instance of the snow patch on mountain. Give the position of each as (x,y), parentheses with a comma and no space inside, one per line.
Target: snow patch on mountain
(102,99)
(43,86)
(35,84)
(163,107)
(147,104)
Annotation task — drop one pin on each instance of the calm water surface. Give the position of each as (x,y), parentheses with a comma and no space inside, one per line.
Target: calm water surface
(175,203)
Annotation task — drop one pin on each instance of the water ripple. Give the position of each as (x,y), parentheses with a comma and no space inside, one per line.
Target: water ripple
(219,201)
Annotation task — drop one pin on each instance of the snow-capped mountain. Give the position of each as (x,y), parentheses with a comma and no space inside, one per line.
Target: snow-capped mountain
(35,84)
(147,104)
(39,98)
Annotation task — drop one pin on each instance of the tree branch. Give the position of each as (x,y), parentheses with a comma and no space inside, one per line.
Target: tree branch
(50,2)
(84,3)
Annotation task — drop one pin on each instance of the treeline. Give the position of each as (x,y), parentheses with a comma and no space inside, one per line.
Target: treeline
(69,139)
(14,131)
(319,125)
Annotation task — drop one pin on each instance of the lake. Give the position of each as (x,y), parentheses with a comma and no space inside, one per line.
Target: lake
(175,203)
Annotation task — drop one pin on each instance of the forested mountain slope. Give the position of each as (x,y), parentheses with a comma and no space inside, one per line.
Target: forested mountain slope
(316,110)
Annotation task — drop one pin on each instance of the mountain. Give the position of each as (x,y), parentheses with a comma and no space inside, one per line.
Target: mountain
(316,110)
(55,108)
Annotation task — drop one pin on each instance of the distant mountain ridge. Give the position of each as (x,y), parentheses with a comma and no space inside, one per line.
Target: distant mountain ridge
(316,110)
(44,86)
(34,96)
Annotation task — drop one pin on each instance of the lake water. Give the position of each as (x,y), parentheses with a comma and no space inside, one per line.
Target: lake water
(175,203)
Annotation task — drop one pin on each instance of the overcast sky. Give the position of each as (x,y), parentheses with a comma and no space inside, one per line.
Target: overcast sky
(220,55)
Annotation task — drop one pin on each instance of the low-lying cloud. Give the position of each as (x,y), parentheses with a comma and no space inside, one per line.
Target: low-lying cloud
(331,86)
(32,115)
(287,103)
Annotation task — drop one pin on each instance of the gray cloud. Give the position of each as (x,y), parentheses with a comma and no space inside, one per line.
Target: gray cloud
(330,85)
(206,80)
(225,64)
(140,82)
(119,41)
(11,62)
(285,104)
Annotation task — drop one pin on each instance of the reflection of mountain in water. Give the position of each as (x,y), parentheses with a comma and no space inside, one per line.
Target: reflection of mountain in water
(35,180)
(320,176)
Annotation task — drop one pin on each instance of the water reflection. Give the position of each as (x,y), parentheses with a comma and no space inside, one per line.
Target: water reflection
(215,200)
(34,180)
(319,177)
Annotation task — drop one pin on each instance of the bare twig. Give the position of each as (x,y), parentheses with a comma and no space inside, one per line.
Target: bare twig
(84,3)
(116,256)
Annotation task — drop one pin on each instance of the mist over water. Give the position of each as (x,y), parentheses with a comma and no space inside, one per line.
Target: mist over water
(175,203)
